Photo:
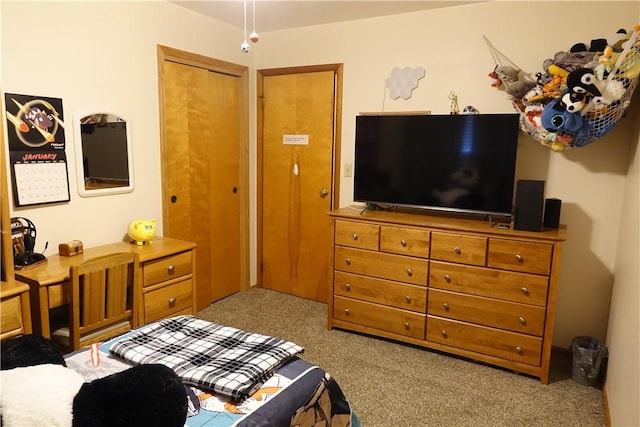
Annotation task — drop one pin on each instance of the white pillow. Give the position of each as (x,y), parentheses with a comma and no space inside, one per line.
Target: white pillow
(40,395)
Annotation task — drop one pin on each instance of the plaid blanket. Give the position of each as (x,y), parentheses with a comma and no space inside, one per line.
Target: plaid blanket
(213,357)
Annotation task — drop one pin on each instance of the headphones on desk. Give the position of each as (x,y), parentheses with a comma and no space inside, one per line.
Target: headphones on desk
(23,236)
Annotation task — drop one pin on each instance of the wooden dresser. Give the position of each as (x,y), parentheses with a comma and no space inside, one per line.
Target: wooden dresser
(456,285)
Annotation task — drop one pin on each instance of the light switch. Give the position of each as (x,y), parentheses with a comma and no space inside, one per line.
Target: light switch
(348,170)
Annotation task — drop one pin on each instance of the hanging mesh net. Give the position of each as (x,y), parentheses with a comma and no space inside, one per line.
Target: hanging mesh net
(578,98)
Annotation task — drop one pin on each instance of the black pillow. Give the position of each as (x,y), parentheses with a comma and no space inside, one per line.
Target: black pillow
(29,350)
(144,395)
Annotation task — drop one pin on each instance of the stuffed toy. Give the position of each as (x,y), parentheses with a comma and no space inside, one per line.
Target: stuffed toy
(555,118)
(513,84)
(39,390)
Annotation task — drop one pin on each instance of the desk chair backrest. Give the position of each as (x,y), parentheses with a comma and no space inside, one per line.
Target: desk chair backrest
(102,302)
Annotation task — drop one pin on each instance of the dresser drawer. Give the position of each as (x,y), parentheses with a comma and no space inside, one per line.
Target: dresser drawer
(388,319)
(166,268)
(386,292)
(11,316)
(505,285)
(520,256)
(170,300)
(481,339)
(459,248)
(405,241)
(527,319)
(357,235)
(381,265)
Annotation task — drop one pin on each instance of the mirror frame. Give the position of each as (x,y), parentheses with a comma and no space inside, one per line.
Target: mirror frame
(82,189)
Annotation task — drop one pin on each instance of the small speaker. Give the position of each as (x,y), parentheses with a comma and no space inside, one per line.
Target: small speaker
(529,205)
(552,213)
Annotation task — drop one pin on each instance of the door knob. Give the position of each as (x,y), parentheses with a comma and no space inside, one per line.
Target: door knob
(324,193)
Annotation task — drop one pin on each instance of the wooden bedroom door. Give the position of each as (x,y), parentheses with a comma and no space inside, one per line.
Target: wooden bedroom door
(296,145)
(205,190)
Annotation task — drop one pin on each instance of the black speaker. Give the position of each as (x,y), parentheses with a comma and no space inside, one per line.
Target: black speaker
(552,213)
(529,205)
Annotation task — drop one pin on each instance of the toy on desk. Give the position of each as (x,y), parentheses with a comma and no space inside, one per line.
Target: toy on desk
(142,231)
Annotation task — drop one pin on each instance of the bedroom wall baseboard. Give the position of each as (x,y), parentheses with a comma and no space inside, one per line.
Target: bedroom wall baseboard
(605,405)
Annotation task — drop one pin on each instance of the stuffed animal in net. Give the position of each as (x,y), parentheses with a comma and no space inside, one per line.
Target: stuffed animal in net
(512,82)
(39,390)
(581,94)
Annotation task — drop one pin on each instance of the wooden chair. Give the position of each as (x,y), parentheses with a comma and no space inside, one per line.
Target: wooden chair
(101,300)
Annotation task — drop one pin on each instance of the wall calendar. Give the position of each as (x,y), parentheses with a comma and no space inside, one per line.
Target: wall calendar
(35,132)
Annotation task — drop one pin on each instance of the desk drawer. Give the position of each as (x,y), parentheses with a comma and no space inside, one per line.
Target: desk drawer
(168,301)
(11,315)
(481,339)
(59,294)
(166,268)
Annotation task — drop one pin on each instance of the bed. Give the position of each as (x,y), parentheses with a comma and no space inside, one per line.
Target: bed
(233,377)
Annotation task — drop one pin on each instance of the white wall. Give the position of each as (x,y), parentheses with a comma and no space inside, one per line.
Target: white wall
(103,54)
(623,334)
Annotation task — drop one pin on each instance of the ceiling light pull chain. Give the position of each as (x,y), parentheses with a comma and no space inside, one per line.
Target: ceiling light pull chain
(254,37)
(245,46)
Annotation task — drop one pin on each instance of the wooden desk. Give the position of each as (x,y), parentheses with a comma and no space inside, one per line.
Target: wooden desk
(164,285)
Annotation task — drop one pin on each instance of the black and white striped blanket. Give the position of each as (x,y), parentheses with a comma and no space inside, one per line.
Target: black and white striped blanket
(213,357)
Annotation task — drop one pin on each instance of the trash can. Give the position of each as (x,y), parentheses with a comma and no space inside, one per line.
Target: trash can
(589,361)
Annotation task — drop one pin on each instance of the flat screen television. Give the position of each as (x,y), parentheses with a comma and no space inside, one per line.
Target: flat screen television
(458,163)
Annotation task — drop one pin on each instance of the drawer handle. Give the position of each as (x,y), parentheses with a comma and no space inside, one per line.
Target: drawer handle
(403,243)
(457,250)
(406,325)
(409,272)
(519,258)
(519,349)
(524,290)
(444,334)
(446,306)
(447,278)
(348,261)
(347,286)
(171,269)
(522,320)
(346,311)
(407,299)
(172,302)
(355,236)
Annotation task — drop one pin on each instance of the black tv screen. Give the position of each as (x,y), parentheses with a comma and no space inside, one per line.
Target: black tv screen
(463,163)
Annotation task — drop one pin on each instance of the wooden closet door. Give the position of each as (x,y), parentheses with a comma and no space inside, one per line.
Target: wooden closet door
(201,170)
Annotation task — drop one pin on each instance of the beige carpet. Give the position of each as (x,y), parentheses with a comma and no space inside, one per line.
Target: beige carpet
(396,385)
